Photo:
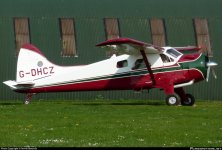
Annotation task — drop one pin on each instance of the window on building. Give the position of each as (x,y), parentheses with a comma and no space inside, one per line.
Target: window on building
(158,32)
(202,35)
(67,27)
(122,64)
(111,30)
(22,35)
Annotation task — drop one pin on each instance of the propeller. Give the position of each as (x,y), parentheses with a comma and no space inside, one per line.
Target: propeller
(210,66)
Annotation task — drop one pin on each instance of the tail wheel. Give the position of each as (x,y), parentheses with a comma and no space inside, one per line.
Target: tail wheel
(28,98)
(172,100)
(26,102)
(190,100)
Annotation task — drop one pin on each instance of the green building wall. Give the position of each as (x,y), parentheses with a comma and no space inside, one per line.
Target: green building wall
(133,18)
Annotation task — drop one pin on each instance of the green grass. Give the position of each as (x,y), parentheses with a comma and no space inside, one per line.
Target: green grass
(110,123)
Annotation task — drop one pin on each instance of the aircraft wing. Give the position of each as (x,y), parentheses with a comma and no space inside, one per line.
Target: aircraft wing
(129,46)
(187,48)
(133,47)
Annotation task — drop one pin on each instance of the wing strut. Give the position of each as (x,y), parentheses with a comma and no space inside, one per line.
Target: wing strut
(148,65)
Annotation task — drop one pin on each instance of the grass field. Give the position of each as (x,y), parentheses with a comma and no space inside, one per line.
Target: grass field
(110,123)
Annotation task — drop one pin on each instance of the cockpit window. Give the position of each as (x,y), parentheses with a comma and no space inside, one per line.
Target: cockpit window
(165,58)
(173,53)
(121,64)
(139,63)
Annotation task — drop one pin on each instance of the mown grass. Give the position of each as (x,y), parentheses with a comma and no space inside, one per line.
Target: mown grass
(110,123)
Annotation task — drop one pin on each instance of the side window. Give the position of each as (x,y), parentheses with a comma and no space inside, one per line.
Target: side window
(121,64)
(139,63)
(165,58)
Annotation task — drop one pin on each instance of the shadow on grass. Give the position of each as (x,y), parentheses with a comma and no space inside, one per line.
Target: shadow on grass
(137,103)
(92,103)
(11,103)
(119,103)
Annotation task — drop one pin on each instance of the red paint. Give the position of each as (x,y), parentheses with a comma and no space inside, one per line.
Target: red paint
(188,48)
(180,91)
(32,48)
(122,41)
(195,74)
(189,57)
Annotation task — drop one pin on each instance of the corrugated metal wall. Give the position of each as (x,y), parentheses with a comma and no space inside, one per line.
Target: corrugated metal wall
(134,21)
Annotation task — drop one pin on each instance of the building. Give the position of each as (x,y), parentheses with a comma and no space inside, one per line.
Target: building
(66,31)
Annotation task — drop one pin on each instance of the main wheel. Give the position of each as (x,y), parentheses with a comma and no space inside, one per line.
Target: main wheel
(190,100)
(172,100)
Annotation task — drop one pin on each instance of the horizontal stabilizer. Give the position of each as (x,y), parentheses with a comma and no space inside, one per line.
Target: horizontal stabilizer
(16,85)
(27,84)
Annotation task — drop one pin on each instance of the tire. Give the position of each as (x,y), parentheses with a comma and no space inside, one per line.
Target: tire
(190,100)
(172,100)
(26,102)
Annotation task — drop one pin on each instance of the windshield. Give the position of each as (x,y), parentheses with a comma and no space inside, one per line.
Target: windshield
(173,53)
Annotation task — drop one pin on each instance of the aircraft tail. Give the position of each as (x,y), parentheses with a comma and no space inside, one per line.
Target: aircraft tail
(32,65)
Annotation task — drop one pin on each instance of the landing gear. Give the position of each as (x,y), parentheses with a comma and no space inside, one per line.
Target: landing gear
(180,97)
(172,100)
(189,101)
(177,96)
(28,98)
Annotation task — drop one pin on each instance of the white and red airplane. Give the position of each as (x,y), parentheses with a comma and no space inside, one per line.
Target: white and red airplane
(140,66)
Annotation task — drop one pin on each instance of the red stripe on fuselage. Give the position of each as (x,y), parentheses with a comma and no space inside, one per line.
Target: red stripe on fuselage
(125,83)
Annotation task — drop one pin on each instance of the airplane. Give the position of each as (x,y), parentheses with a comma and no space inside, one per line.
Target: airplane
(138,66)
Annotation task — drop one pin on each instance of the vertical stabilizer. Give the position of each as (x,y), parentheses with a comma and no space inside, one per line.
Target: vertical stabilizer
(32,64)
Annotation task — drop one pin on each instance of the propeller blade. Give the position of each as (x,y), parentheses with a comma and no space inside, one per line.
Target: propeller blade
(214,73)
(208,74)
(211,64)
